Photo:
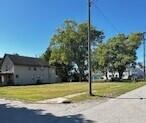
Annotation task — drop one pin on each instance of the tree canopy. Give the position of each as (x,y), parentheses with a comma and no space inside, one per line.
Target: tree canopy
(118,53)
(69,46)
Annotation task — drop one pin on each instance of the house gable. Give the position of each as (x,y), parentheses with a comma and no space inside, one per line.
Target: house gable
(22,70)
(7,65)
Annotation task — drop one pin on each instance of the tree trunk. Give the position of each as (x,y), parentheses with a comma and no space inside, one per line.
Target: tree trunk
(106,75)
(120,74)
(80,77)
(80,74)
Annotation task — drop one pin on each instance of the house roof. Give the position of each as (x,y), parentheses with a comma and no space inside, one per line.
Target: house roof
(27,61)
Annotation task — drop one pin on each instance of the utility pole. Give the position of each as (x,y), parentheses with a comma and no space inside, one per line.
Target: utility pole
(89,49)
(144,48)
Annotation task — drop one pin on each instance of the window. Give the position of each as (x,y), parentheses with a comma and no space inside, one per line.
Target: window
(34,69)
(6,67)
(42,68)
(29,68)
(38,76)
(33,77)
(17,76)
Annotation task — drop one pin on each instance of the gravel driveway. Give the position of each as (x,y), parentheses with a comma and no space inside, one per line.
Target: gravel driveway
(128,108)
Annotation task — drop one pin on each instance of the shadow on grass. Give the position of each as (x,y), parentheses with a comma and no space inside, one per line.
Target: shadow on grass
(24,115)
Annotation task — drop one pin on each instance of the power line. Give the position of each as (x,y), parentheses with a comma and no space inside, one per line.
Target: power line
(107,18)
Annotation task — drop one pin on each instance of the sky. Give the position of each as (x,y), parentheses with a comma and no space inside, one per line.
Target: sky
(27,26)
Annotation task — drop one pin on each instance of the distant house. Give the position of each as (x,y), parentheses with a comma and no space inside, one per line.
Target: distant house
(132,72)
(21,70)
(126,75)
(0,63)
(0,67)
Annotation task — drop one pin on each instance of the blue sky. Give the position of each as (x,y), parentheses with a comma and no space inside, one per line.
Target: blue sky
(26,26)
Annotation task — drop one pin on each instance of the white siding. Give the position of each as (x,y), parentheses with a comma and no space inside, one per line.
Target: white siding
(7,66)
(27,75)
(109,75)
(24,75)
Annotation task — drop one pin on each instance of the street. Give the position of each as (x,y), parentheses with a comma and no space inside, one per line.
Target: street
(127,108)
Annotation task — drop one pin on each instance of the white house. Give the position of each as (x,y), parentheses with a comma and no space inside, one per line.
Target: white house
(137,72)
(0,63)
(21,70)
(126,75)
(0,67)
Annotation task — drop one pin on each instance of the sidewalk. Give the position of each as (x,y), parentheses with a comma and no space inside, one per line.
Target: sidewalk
(59,100)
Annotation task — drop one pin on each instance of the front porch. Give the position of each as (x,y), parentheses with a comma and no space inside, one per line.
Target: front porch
(6,78)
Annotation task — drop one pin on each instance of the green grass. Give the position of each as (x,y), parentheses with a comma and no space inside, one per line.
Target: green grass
(42,92)
(109,90)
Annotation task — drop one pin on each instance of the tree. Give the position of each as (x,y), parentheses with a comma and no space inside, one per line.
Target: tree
(62,70)
(69,45)
(140,65)
(47,54)
(101,59)
(119,52)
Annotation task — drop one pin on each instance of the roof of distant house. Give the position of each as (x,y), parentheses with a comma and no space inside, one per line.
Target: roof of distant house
(27,61)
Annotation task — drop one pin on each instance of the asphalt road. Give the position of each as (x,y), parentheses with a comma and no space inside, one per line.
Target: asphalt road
(128,108)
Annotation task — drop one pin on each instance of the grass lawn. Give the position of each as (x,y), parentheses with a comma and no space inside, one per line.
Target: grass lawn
(48,91)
